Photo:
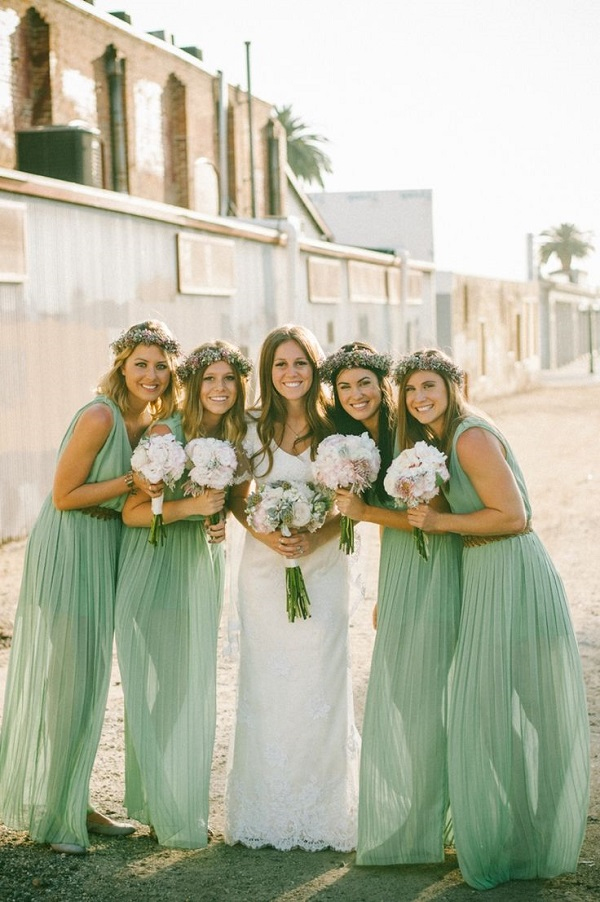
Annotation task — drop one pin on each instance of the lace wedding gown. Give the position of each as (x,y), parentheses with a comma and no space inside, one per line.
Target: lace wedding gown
(293,769)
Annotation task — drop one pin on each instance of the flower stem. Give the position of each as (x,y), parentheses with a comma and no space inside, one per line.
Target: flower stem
(422,542)
(347,534)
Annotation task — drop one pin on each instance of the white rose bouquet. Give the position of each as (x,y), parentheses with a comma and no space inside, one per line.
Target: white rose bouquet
(212,464)
(285,506)
(159,458)
(415,477)
(350,462)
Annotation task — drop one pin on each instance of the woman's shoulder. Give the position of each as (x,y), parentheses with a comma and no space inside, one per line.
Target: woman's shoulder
(98,414)
(475,435)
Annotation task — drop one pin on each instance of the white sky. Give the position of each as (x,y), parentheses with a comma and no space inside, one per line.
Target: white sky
(493,104)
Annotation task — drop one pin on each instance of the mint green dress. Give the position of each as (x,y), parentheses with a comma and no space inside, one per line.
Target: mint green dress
(168,607)
(60,662)
(518,731)
(403,813)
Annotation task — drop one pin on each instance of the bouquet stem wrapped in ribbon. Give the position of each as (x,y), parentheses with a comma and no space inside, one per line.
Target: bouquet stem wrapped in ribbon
(415,477)
(347,462)
(285,506)
(159,458)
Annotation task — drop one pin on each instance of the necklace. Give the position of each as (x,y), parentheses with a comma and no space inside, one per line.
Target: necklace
(297,434)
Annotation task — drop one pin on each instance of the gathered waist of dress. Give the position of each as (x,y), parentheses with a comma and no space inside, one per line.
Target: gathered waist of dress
(475,541)
(100,513)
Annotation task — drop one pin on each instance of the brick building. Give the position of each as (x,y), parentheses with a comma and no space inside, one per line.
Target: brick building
(118,109)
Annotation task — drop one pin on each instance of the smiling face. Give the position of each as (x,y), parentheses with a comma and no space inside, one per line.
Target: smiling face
(147,374)
(292,373)
(426,398)
(359,393)
(218,389)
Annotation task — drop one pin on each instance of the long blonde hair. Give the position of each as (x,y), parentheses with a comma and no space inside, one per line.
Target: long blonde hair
(232,426)
(112,384)
(271,407)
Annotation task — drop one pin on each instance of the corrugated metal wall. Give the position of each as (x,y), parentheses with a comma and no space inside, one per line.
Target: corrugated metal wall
(91,272)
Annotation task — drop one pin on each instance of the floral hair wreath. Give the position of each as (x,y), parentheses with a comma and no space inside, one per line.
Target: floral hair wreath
(146,334)
(199,360)
(428,361)
(353,358)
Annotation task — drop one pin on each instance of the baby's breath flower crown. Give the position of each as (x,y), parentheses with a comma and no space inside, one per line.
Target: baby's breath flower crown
(352,358)
(146,334)
(199,360)
(428,360)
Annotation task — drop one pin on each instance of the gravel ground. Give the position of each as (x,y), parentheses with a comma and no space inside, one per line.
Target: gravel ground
(555,431)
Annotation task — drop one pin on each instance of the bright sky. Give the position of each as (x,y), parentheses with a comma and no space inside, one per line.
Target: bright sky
(493,104)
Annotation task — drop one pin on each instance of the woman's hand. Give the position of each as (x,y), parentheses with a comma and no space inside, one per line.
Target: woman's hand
(215,531)
(151,489)
(298,545)
(211,501)
(350,504)
(424,517)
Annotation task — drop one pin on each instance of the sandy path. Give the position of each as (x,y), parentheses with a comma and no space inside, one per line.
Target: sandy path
(555,432)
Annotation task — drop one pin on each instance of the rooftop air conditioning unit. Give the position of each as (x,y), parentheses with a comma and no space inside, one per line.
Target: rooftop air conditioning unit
(67,152)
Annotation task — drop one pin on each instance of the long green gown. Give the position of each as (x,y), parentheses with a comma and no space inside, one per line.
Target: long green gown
(168,607)
(61,657)
(518,730)
(403,802)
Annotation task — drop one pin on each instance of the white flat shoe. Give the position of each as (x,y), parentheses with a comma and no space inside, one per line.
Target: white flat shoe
(111,828)
(68,848)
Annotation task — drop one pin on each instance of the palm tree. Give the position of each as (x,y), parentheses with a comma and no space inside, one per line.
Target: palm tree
(307,161)
(565,242)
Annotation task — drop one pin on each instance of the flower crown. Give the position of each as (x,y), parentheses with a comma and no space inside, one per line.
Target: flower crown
(347,359)
(146,334)
(199,360)
(428,360)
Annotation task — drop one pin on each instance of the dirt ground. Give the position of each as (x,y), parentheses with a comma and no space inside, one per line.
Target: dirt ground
(555,431)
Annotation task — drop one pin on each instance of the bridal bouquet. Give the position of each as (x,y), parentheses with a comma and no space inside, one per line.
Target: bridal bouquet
(350,462)
(212,464)
(415,477)
(285,506)
(159,458)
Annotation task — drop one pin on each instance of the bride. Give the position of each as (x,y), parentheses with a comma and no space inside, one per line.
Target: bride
(293,769)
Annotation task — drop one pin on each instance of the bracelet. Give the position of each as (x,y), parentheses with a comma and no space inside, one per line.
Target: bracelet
(128,477)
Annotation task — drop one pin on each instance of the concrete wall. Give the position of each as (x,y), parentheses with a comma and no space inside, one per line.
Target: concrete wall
(492,328)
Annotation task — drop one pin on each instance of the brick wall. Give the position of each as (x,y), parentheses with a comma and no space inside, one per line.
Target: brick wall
(54,71)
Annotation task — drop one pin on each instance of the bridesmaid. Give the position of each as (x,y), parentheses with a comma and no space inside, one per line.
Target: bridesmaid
(167,617)
(403,801)
(518,736)
(61,655)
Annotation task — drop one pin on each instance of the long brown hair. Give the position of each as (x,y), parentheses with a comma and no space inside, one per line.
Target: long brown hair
(112,384)
(271,407)
(232,426)
(410,430)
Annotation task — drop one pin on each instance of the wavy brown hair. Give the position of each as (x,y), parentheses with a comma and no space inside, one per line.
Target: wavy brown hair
(232,427)
(113,386)
(410,430)
(271,408)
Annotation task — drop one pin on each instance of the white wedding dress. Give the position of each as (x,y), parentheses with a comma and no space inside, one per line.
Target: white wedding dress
(293,768)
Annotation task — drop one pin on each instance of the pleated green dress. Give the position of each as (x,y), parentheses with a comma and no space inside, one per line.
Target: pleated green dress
(61,657)
(168,607)
(403,803)
(518,732)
